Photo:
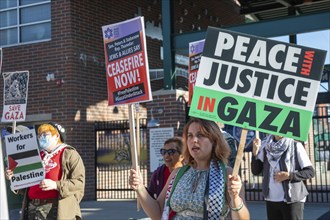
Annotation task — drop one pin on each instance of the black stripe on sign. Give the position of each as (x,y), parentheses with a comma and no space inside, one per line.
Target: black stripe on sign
(25,154)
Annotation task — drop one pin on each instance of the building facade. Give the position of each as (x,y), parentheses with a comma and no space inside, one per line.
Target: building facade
(60,44)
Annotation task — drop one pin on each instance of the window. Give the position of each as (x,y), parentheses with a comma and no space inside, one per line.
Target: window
(24,21)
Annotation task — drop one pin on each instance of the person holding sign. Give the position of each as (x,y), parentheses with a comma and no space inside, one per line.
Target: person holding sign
(203,188)
(284,164)
(59,194)
(172,155)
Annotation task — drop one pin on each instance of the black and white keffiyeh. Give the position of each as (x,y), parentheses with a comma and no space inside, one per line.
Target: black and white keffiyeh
(216,191)
(275,150)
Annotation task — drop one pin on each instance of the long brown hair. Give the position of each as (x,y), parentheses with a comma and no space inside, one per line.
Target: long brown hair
(211,130)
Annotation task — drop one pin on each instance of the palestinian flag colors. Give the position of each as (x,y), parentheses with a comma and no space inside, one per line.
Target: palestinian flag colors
(257,84)
(24,160)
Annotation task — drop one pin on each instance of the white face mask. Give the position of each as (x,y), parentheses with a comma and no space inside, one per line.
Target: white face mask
(47,142)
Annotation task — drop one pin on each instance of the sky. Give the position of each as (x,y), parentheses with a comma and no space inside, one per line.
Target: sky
(318,40)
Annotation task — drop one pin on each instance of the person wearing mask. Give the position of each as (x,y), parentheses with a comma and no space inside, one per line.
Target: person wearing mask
(172,155)
(57,196)
(284,164)
(203,188)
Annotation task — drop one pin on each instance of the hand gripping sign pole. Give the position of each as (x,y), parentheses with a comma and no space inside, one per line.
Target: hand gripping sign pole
(240,150)
(134,152)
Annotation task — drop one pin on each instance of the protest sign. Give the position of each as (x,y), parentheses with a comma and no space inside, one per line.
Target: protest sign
(15,96)
(126,62)
(195,54)
(158,136)
(24,160)
(257,83)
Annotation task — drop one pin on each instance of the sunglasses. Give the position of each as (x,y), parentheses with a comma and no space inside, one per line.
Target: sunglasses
(169,151)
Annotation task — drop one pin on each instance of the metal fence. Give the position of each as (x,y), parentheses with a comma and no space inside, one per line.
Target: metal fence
(113,160)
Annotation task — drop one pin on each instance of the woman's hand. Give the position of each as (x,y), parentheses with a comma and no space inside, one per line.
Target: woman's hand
(48,184)
(135,179)
(234,185)
(256,146)
(9,174)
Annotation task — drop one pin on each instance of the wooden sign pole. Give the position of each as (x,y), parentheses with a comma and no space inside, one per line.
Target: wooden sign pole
(134,151)
(132,137)
(240,150)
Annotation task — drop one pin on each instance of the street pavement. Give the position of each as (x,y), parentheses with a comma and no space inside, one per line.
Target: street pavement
(127,210)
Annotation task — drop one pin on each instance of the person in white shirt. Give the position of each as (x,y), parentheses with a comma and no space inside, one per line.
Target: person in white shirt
(284,164)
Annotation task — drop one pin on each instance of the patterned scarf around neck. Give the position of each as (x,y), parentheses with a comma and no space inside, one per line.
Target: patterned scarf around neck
(276,149)
(48,156)
(217,183)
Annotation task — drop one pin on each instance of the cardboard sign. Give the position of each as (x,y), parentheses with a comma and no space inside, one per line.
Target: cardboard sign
(158,136)
(15,96)
(24,160)
(195,54)
(257,84)
(126,62)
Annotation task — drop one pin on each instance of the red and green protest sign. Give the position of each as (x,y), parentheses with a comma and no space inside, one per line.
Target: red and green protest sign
(257,83)
(195,54)
(126,62)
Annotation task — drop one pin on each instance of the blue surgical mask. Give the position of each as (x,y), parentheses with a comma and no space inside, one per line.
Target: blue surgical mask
(46,142)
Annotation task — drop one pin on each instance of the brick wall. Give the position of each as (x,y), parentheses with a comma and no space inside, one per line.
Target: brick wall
(75,55)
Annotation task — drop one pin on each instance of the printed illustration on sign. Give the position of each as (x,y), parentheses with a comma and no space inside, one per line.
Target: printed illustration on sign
(15,96)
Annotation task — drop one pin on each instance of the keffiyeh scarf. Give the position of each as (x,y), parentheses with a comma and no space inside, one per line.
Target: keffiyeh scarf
(47,156)
(217,183)
(274,152)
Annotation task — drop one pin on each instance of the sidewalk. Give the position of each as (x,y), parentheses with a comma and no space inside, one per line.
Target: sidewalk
(124,210)
(127,209)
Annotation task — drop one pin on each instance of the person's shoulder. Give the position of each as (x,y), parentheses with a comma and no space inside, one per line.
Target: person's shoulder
(297,144)
(229,170)
(70,151)
(226,134)
(160,168)
(180,169)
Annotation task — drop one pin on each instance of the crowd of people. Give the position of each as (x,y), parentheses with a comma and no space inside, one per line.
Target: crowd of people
(195,181)
(202,187)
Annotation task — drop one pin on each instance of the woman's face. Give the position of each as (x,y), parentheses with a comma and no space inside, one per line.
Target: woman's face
(199,146)
(172,159)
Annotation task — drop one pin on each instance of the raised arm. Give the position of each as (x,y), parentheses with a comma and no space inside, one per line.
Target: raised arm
(149,204)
